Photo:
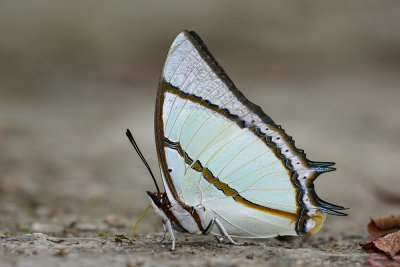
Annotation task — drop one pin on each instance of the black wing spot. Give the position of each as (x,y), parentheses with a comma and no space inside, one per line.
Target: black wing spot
(169,170)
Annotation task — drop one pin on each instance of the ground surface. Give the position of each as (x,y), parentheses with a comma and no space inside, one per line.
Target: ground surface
(73,77)
(36,249)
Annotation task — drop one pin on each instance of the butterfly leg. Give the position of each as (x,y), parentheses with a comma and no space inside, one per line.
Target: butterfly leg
(222,229)
(219,238)
(171,233)
(164,230)
(208,230)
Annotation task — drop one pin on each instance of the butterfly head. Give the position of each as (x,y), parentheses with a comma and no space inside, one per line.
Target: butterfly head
(160,203)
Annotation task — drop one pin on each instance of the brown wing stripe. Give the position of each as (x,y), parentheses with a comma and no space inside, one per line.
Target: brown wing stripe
(205,103)
(225,188)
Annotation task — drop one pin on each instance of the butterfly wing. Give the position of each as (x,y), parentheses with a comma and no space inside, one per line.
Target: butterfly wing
(218,149)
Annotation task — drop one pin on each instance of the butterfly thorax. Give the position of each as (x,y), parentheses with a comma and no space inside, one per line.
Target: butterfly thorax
(183,218)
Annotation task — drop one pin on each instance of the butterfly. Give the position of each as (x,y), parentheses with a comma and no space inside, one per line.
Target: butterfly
(227,168)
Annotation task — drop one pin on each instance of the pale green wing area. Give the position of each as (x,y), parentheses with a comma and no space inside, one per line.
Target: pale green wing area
(234,155)
(247,165)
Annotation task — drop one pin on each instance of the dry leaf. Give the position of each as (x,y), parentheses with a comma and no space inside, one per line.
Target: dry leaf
(389,244)
(381,226)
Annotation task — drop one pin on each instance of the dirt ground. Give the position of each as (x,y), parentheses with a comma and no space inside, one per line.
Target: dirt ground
(73,77)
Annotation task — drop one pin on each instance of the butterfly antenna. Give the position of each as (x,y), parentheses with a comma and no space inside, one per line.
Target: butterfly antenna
(136,147)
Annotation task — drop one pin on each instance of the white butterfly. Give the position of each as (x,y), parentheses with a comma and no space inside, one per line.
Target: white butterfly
(227,168)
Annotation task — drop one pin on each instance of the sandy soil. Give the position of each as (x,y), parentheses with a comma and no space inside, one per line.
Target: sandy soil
(42,250)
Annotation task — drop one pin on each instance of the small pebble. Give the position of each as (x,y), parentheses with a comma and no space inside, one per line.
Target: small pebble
(131,263)
(61,253)
(113,221)
(250,256)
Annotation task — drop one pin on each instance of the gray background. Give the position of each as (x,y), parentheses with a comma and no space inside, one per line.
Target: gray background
(75,74)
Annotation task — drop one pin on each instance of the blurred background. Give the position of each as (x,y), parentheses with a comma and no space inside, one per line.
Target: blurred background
(75,74)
